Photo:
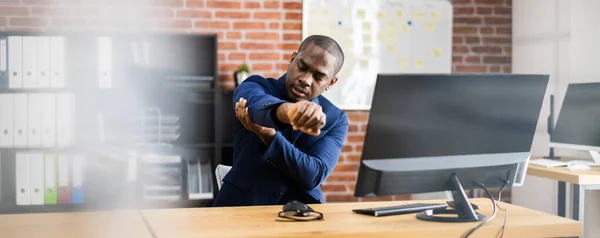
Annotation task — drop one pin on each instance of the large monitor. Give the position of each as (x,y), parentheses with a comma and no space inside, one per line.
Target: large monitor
(578,124)
(432,133)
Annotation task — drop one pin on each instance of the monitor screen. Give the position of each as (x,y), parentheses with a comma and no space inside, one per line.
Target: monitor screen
(445,115)
(579,118)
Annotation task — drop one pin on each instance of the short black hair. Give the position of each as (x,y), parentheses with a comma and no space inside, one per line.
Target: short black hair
(328,44)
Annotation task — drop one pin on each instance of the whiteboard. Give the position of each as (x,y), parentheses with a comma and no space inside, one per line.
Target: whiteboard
(381,36)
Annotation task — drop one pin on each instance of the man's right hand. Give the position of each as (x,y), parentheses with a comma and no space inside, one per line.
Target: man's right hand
(304,116)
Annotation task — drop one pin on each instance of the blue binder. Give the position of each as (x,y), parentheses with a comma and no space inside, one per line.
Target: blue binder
(77,181)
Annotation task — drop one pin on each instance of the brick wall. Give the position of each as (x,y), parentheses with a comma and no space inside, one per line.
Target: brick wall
(263,34)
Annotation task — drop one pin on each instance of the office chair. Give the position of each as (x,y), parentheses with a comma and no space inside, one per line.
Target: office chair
(220,173)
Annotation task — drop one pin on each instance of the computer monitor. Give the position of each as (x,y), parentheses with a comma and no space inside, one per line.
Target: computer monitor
(433,133)
(577,126)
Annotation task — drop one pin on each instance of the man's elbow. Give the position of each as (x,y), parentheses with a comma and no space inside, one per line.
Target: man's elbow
(317,179)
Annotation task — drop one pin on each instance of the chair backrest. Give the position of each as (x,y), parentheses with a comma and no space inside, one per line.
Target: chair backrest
(220,173)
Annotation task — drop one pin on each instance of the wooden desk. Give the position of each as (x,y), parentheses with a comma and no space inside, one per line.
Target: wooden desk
(117,224)
(340,221)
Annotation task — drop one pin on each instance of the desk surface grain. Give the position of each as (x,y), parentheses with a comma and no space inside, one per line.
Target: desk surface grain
(109,224)
(340,221)
(588,177)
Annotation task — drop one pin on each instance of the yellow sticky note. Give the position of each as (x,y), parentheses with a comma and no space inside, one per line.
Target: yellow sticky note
(368,50)
(403,63)
(390,49)
(312,12)
(366,26)
(361,14)
(348,30)
(364,64)
(347,12)
(419,63)
(381,15)
(435,15)
(392,25)
(400,13)
(430,26)
(436,52)
(404,28)
(380,35)
(419,15)
(367,38)
(348,43)
(349,57)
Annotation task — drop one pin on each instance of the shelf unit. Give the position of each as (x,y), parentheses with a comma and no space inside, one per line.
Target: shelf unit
(171,73)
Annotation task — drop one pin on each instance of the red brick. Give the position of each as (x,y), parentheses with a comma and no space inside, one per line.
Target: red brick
(340,198)
(470,68)
(460,49)
(274,25)
(472,39)
(234,35)
(508,2)
(502,11)
(194,14)
(237,56)
(346,168)
(194,3)
(497,21)
(507,50)
(227,45)
(467,20)
(282,67)
(212,24)
(335,177)
(221,56)
(292,36)
(51,11)
(264,56)
(460,30)
(495,69)
(292,5)
(353,158)
(486,49)
(232,15)
(272,4)
(13,11)
(497,40)
(347,148)
(484,10)
(462,2)
(268,15)
(223,4)
(355,138)
(503,31)
(358,148)
(486,30)
(256,46)
(249,25)
(262,67)
(29,21)
(353,128)
(293,16)
(507,69)
(292,26)
(458,40)
(457,59)
(333,188)
(262,36)
(473,59)
(491,2)
(459,10)
(496,59)
(272,75)
(251,4)
(3,21)
(228,67)
(290,46)
(357,117)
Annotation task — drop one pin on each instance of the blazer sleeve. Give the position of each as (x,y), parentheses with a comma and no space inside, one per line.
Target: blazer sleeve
(309,169)
(262,106)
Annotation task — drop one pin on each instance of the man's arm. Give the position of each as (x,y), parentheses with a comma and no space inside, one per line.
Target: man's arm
(309,169)
(262,107)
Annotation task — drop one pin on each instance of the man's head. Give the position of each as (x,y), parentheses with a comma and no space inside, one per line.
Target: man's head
(313,68)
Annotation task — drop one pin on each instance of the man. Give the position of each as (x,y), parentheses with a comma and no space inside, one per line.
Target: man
(287,137)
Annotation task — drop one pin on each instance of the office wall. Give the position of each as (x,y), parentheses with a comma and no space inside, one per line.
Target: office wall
(264,34)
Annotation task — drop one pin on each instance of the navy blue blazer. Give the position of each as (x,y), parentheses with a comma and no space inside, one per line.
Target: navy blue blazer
(295,164)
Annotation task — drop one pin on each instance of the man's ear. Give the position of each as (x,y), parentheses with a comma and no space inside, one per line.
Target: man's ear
(333,81)
(293,56)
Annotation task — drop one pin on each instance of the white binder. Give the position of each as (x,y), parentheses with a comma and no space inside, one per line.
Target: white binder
(64,119)
(36,178)
(58,75)
(20,120)
(29,61)
(22,179)
(34,121)
(43,62)
(104,53)
(15,62)
(6,120)
(48,120)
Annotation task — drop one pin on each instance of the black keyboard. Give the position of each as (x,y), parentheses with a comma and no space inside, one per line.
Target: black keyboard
(401,209)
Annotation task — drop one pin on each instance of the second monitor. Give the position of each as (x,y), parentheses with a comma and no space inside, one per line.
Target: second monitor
(429,133)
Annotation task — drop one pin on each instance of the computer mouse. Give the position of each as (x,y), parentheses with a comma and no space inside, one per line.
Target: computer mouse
(579,167)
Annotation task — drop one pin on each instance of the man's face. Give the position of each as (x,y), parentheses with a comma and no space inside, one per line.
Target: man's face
(310,72)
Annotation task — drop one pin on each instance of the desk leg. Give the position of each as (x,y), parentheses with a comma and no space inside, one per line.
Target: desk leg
(578,203)
(562,197)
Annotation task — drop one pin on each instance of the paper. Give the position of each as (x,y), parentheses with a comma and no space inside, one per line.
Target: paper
(392,25)
(381,15)
(436,52)
(347,12)
(419,63)
(368,50)
(364,64)
(348,30)
(366,26)
(349,58)
(400,13)
(430,26)
(435,15)
(403,63)
(367,38)
(361,14)
(404,28)
(380,35)
(419,15)
(347,43)
(390,49)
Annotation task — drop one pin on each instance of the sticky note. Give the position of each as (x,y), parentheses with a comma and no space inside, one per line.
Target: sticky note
(419,15)
(361,14)
(419,63)
(436,52)
(349,57)
(392,25)
(430,26)
(380,35)
(364,64)
(435,15)
(312,12)
(400,13)
(390,49)
(348,30)
(346,12)
(403,63)
(367,38)
(366,26)
(348,43)
(404,28)
(368,50)
(381,15)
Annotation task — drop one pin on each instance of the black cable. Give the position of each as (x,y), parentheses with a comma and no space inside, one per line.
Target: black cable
(147,224)
(488,218)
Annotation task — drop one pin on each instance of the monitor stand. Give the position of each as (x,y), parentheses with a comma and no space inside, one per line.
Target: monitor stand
(595,156)
(463,211)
